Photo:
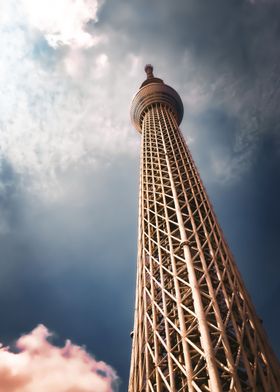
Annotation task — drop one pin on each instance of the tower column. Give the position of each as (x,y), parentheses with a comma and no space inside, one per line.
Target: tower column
(214,382)
(195,328)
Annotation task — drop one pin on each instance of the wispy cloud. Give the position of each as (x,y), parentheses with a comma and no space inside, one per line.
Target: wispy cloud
(63,22)
(38,365)
(61,101)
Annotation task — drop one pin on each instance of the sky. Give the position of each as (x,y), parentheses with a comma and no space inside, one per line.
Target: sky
(69,168)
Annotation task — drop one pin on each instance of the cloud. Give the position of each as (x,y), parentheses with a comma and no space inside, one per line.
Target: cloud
(232,66)
(219,55)
(68,185)
(38,365)
(63,22)
(61,107)
(65,101)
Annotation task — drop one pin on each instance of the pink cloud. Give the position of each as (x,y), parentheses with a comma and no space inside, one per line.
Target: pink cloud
(40,366)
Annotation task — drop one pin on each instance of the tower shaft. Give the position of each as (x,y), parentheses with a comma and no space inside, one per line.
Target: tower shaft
(195,327)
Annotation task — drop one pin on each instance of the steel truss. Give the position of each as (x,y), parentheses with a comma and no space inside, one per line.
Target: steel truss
(195,326)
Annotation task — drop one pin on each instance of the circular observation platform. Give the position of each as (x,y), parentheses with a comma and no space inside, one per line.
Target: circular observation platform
(153,91)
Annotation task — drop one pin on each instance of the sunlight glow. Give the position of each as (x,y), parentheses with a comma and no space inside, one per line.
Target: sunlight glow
(63,22)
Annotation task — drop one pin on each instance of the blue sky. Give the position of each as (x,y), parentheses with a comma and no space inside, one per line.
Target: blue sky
(69,158)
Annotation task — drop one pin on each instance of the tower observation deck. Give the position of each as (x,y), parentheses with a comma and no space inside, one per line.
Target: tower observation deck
(195,327)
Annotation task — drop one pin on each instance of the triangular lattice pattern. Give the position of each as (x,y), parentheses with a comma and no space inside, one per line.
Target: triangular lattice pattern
(195,326)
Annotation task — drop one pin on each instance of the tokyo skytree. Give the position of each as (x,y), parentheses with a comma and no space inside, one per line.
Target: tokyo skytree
(195,327)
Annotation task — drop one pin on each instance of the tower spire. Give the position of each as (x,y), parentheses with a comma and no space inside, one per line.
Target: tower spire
(150,76)
(195,327)
(149,71)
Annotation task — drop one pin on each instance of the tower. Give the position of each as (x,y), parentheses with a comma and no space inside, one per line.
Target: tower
(195,328)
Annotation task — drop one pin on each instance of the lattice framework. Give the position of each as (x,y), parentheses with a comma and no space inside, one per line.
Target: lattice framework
(195,326)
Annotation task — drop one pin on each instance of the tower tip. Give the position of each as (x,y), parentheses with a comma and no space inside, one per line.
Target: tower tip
(149,71)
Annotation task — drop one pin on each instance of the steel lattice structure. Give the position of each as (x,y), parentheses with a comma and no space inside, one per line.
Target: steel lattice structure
(195,327)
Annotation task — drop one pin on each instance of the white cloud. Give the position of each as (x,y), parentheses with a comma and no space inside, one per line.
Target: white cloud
(40,366)
(63,22)
(101,66)
(62,109)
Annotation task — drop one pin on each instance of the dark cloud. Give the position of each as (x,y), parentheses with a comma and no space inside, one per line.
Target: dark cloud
(233,46)
(222,57)
(249,214)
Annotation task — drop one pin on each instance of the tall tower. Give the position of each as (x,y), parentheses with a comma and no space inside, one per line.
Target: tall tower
(195,327)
